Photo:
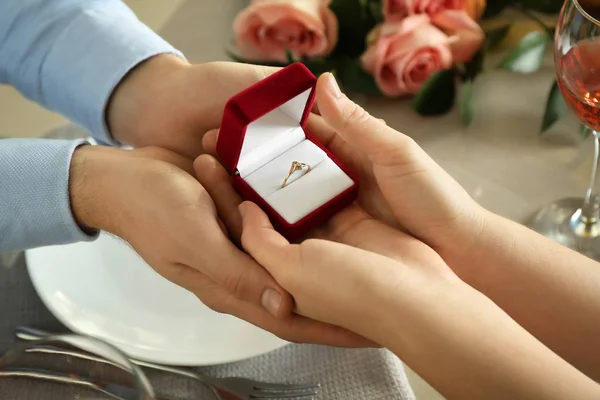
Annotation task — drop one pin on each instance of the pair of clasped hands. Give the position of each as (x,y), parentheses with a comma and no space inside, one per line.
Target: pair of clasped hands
(186,220)
(415,265)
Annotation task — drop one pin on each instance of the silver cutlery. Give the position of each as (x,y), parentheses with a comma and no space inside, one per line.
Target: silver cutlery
(224,388)
(113,391)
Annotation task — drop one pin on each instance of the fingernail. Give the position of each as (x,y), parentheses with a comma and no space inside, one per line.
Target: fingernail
(271,301)
(242,210)
(334,89)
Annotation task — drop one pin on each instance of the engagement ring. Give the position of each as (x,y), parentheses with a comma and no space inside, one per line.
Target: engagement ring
(296,166)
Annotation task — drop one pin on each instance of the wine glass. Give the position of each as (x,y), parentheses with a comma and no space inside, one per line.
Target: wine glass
(71,367)
(575,222)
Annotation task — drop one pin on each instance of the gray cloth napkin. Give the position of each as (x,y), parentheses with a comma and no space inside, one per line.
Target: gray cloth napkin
(343,373)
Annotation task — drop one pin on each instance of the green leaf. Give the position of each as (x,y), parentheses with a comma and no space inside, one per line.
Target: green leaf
(437,95)
(318,65)
(290,56)
(354,25)
(527,57)
(475,66)
(495,7)
(555,107)
(365,7)
(495,36)
(375,8)
(466,104)
(353,78)
(584,131)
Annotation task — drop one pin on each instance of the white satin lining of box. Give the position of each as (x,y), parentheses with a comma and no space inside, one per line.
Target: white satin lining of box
(306,192)
(272,134)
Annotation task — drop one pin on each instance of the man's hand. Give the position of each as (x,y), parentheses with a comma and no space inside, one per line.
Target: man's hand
(148,198)
(169,103)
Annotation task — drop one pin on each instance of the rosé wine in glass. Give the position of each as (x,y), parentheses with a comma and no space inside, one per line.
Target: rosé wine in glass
(579,81)
(575,222)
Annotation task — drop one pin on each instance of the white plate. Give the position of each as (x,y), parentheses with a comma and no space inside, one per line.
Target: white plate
(104,289)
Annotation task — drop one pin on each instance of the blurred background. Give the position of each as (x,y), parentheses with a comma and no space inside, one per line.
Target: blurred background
(174,20)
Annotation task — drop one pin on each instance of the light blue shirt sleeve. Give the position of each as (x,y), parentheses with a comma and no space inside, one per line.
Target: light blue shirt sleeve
(68,56)
(35,208)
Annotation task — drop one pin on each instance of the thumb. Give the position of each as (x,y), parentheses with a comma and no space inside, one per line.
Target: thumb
(384,145)
(209,142)
(264,243)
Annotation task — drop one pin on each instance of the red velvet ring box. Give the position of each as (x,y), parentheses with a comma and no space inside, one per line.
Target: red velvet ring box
(262,133)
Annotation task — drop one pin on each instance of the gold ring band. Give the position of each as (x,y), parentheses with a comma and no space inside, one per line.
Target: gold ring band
(296,166)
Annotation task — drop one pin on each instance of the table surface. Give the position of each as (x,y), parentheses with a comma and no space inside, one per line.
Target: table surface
(501,159)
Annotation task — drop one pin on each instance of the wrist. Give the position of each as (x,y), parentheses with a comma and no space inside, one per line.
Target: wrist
(464,247)
(394,306)
(495,243)
(89,190)
(141,97)
(411,319)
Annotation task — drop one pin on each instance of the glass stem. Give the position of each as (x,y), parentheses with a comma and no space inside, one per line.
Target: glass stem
(585,221)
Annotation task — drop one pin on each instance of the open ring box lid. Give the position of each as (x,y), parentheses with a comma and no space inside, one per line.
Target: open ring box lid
(263,131)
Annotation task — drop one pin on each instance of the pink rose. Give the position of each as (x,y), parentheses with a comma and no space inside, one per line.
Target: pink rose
(395,10)
(266,28)
(405,54)
(466,36)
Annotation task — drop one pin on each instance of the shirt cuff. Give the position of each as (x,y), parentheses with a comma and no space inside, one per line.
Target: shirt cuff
(99,46)
(35,206)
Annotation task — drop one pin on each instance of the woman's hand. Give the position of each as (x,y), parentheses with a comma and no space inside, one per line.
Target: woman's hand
(149,198)
(353,283)
(548,289)
(401,184)
(444,329)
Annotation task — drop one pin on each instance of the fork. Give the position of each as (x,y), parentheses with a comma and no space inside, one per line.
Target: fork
(224,388)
